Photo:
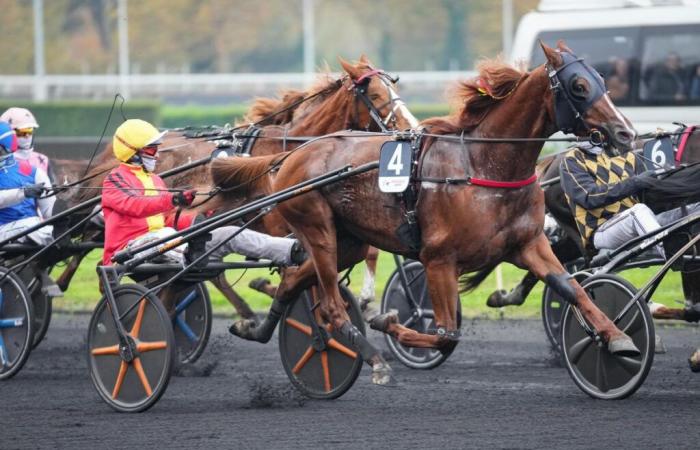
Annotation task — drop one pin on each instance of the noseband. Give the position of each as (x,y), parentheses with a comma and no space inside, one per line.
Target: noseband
(569,108)
(359,88)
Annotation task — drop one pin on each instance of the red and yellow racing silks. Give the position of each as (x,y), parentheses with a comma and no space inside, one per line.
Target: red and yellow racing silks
(135,202)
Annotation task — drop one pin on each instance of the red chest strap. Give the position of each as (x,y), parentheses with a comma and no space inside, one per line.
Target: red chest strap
(684,141)
(503,184)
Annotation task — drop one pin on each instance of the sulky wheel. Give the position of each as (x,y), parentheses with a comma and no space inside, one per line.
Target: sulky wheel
(42,304)
(131,382)
(416,313)
(552,308)
(16,324)
(192,323)
(595,370)
(318,361)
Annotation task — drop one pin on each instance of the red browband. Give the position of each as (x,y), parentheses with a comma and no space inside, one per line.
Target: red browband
(684,140)
(502,184)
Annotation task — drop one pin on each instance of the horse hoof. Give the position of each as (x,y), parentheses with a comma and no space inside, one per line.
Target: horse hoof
(382,375)
(694,361)
(691,313)
(381,322)
(259,284)
(497,299)
(243,329)
(659,347)
(623,346)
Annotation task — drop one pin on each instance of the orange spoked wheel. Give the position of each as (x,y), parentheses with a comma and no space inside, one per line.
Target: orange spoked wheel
(318,361)
(131,374)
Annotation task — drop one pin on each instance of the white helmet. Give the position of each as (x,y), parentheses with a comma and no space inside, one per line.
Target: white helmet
(19,118)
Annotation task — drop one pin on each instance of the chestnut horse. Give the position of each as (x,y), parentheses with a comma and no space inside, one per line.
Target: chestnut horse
(465,226)
(335,104)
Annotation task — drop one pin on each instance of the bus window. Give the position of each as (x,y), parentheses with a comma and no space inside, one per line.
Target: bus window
(612,52)
(670,65)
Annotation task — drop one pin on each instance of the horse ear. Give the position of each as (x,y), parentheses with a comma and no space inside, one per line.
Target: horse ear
(553,57)
(351,70)
(364,59)
(561,45)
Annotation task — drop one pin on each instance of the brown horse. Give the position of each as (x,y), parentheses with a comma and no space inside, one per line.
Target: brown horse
(335,104)
(465,227)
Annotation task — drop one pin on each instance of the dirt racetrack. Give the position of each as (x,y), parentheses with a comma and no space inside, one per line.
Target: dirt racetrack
(500,389)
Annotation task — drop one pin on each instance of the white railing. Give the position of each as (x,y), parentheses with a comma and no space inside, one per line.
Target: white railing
(55,87)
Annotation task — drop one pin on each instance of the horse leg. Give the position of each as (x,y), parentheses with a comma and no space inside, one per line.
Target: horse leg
(68,273)
(538,257)
(232,296)
(516,296)
(443,291)
(367,293)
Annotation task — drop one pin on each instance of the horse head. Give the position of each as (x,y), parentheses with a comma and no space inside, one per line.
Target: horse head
(581,104)
(376,90)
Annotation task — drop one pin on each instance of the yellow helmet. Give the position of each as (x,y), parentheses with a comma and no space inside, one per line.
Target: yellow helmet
(132,136)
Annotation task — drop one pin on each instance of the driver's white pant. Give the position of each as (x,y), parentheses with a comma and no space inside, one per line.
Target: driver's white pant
(247,242)
(42,236)
(633,222)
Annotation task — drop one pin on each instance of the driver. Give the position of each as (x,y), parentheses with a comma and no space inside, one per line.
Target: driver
(601,189)
(24,124)
(139,208)
(21,187)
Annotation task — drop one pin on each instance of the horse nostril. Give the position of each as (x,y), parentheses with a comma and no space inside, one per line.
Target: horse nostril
(624,136)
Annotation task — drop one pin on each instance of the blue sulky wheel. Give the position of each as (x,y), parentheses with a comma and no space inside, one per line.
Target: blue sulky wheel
(16,325)
(416,313)
(318,361)
(192,323)
(595,370)
(133,380)
(552,309)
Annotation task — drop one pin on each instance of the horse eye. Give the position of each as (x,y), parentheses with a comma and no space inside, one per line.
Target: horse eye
(374,97)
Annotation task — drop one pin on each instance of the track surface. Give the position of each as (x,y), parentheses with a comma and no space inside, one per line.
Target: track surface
(500,389)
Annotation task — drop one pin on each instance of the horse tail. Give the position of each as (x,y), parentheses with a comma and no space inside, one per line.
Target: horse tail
(469,282)
(236,173)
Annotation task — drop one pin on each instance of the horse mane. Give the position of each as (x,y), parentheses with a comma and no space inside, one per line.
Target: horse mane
(240,175)
(289,101)
(100,171)
(474,100)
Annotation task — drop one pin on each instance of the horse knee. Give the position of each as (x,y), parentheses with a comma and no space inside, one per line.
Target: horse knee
(560,284)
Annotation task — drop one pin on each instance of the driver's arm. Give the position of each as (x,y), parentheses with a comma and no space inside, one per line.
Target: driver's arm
(581,187)
(45,204)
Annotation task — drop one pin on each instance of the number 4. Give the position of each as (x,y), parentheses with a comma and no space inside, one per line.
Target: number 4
(395,161)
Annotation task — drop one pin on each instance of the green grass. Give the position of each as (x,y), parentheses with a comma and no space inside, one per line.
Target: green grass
(83,292)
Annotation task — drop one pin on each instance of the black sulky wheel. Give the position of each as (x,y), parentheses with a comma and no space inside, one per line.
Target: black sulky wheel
(416,313)
(552,309)
(320,368)
(192,323)
(43,306)
(16,324)
(131,384)
(595,370)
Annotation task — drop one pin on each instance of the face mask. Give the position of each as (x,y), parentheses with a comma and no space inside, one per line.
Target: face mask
(24,143)
(148,163)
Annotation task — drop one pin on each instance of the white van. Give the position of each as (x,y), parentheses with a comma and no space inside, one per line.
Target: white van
(648,52)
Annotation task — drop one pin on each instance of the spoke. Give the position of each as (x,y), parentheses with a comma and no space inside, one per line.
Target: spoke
(303,360)
(143,347)
(185,328)
(136,329)
(299,326)
(335,345)
(410,321)
(111,350)
(634,325)
(601,374)
(326,371)
(120,379)
(578,348)
(632,366)
(13,322)
(186,302)
(142,376)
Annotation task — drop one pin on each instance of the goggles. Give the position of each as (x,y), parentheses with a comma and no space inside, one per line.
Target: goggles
(150,150)
(22,132)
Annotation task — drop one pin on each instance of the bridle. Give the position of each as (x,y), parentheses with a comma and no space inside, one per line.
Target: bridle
(569,108)
(359,88)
